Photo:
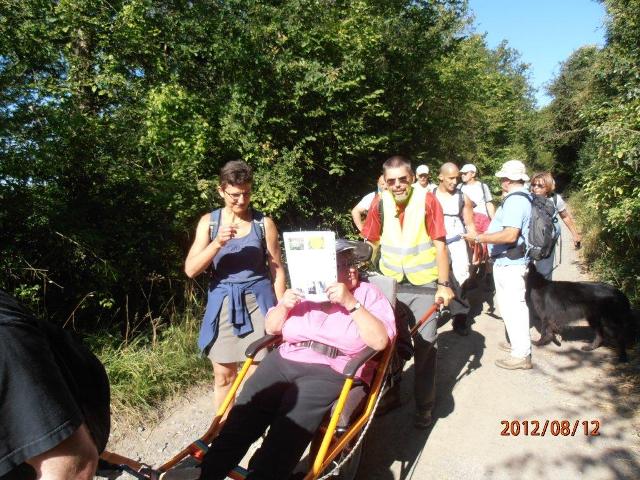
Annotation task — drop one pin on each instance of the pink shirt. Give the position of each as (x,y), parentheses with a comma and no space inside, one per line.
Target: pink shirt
(332,325)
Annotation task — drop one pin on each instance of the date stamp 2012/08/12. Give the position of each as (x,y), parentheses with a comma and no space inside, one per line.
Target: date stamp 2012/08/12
(555,428)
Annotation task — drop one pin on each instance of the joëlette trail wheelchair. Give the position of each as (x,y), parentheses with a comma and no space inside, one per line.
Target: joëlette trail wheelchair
(336,449)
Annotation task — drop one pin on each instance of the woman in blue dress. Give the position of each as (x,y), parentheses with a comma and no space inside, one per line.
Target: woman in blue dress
(241,247)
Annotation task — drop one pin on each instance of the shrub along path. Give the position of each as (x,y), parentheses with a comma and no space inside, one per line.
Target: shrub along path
(474,399)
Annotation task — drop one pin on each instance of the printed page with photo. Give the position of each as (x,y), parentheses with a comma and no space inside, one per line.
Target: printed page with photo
(311,260)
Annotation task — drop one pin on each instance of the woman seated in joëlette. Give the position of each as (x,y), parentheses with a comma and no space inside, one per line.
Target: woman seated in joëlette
(295,385)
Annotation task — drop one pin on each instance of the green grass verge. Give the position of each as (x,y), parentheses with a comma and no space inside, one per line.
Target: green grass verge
(143,373)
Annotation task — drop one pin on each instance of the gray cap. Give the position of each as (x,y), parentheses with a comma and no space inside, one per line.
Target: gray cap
(361,250)
(342,245)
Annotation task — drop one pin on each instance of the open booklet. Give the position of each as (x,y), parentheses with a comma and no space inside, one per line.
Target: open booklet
(311,260)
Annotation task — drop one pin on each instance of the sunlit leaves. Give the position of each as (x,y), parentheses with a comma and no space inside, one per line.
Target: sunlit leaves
(116,117)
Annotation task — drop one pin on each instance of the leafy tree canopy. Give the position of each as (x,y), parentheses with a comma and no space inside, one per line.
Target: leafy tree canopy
(116,117)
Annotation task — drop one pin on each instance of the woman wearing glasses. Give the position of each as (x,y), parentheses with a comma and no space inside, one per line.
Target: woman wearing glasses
(241,247)
(544,184)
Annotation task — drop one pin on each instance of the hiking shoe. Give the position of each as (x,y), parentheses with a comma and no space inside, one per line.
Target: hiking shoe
(513,363)
(504,346)
(423,419)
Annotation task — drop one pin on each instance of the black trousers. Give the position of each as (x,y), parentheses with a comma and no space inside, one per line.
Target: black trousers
(290,397)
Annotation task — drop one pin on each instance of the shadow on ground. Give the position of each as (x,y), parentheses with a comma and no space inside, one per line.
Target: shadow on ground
(618,464)
(402,442)
(608,393)
(615,451)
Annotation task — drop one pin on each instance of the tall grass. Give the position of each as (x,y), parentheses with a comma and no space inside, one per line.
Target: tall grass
(150,367)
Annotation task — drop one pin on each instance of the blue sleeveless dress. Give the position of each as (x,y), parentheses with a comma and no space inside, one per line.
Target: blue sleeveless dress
(239,296)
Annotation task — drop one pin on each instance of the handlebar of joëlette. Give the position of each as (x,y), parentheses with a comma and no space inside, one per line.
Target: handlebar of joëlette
(435,312)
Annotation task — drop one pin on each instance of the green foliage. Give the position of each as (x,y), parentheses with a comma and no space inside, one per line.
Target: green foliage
(611,178)
(596,125)
(573,91)
(116,117)
(492,117)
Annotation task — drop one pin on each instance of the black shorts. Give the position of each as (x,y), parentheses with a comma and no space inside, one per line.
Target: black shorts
(49,385)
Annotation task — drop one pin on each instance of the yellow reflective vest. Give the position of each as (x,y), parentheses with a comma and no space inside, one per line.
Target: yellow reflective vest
(407,250)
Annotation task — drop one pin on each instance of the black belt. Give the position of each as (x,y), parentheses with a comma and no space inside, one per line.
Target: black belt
(513,253)
(324,349)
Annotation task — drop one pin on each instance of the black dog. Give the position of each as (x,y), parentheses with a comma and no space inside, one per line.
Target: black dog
(605,307)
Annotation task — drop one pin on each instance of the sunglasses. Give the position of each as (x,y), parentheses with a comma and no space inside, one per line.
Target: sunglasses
(537,185)
(392,181)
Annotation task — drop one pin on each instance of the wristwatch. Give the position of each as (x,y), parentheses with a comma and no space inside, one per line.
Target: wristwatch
(477,239)
(446,283)
(355,307)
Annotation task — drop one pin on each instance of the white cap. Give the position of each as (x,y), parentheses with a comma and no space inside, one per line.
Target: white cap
(422,169)
(468,167)
(513,170)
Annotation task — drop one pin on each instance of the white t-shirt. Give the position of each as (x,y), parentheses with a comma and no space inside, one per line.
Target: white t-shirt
(561,206)
(428,188)
(365,203)
(451,210)
(475,193)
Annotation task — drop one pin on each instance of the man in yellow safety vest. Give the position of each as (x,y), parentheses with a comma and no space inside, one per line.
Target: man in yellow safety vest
(409,225)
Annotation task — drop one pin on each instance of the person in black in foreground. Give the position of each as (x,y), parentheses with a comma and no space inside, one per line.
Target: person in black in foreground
(54,400)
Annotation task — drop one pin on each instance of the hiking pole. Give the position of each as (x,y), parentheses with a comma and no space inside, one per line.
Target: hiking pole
(427,316)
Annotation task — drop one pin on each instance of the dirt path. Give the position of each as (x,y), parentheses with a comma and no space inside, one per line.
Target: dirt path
(474,398)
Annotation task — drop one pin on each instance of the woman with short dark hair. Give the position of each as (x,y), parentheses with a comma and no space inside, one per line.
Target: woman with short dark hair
(241,247)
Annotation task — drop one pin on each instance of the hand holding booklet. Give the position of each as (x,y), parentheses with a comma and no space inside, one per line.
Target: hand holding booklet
(311,260)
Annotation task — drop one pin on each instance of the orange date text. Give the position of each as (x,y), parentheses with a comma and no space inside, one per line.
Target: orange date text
(554,428)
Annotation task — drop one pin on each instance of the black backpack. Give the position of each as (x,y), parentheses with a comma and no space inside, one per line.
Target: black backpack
(543,229)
